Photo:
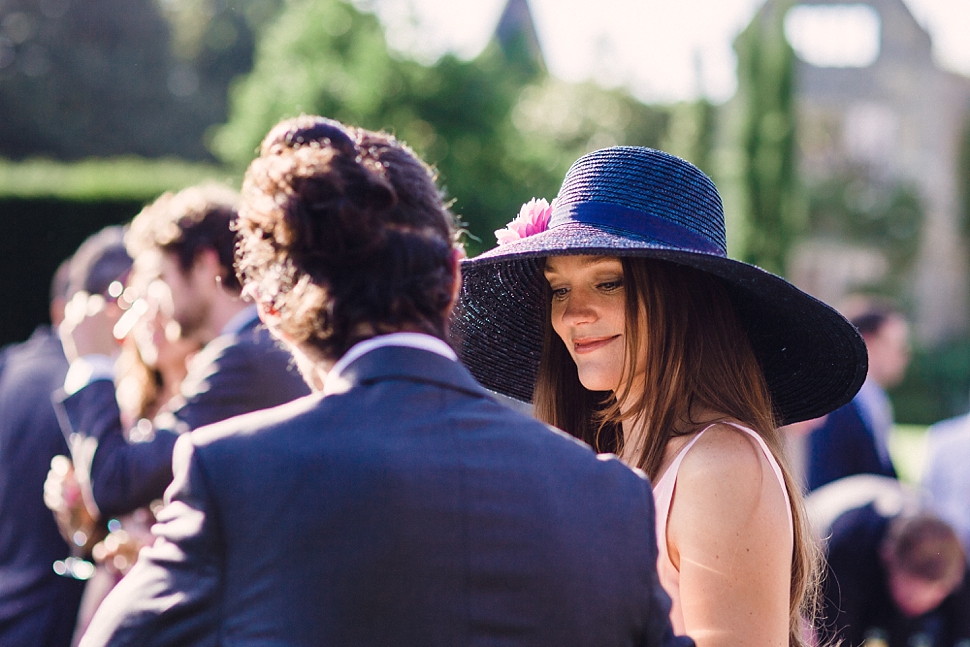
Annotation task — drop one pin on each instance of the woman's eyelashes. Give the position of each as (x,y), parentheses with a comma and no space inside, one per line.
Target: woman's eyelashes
(611,285)
(558,294)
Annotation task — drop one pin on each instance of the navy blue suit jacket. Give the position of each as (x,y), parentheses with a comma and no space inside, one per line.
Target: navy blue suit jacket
(842,446)
(37,607)
(233,374)
(409,509)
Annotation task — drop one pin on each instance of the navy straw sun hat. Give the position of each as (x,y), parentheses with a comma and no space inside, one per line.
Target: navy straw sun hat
(631,201)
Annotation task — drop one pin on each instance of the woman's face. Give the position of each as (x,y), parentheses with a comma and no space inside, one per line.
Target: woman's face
(589,315)
(156,334)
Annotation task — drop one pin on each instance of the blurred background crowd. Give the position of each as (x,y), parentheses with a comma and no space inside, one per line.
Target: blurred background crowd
(841,146)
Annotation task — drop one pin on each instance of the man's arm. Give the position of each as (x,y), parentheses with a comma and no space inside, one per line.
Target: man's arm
(116,477)
(122,476)
(229,377)
(172,594)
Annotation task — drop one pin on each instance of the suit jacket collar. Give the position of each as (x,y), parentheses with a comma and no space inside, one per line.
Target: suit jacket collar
(242,320)
(406,363)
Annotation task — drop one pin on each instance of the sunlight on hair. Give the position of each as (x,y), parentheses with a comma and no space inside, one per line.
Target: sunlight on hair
(834,36)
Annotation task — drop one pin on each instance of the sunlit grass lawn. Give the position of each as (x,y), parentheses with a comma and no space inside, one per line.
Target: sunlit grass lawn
(907,446)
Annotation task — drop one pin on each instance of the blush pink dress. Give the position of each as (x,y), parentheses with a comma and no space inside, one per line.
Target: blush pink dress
(663,493)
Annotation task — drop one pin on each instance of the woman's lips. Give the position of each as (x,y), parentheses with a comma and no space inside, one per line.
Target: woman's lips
(590,344)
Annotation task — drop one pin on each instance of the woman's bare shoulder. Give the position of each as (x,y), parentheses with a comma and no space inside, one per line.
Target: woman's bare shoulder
(724,453)
(727,472)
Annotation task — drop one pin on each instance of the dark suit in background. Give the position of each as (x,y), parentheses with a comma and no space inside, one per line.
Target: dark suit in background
(233,374)
(407,507)
(37,607)
(844,445)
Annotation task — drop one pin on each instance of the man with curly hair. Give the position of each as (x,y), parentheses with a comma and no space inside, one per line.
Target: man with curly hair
(400,504)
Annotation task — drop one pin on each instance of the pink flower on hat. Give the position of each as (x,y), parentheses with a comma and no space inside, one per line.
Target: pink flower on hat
(533,219)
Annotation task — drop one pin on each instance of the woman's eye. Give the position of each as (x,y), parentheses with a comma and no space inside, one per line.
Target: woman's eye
(558,294)
(610,286)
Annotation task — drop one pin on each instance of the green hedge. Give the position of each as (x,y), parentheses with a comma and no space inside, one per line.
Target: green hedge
(936,386)
(111,180)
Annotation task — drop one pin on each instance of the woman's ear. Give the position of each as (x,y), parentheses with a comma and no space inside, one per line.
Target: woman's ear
(457,257)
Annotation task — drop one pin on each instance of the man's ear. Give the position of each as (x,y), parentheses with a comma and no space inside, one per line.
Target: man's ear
(271,318)
(268,314)
(206,267)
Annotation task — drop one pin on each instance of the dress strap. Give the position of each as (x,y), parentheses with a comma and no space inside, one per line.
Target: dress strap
(664,489)
(775,467)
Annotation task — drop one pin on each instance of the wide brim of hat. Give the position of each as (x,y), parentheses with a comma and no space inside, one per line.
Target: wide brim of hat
(814,361)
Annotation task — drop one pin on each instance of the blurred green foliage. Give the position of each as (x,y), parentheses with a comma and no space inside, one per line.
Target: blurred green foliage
(907,447)
(936,386)
(857,208)
(120,77)
(111,179)
(773,205)
(691,132)
(39,233)
(497,129)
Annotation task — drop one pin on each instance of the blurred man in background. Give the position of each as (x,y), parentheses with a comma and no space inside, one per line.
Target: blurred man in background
(37,606)
(896,572)
(183,242)
(854,439)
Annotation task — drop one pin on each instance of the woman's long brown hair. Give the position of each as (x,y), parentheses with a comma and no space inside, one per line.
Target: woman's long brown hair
(680,325)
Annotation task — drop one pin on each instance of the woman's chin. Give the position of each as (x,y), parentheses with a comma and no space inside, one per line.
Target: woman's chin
(597,383)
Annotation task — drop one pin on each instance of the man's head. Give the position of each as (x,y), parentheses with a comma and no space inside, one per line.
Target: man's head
(343,235)
(886,333)
(100,267)
(924,562)
(186,240)
(100,261)
(96,276)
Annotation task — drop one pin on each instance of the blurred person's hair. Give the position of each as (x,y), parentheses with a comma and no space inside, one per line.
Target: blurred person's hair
(925,547)
(344,234)
(61,282)
(188,222)
(100,261)
(868,313)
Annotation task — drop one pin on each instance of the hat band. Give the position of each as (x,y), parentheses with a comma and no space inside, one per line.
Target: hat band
(644,225)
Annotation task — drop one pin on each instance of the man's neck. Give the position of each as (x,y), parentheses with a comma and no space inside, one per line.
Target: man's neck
(224,307)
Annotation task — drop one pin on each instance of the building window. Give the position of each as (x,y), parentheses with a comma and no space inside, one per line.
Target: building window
(834,35)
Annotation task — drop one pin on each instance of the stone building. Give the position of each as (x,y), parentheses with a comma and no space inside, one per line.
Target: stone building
(901,117)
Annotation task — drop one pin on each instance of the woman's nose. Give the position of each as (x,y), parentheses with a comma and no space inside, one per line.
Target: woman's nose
(579,309)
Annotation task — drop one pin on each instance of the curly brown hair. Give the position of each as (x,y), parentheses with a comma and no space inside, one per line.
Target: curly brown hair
(344,233)
(188,222)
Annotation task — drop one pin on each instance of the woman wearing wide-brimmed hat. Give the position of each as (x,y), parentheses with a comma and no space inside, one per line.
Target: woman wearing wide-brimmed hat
(617,312)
